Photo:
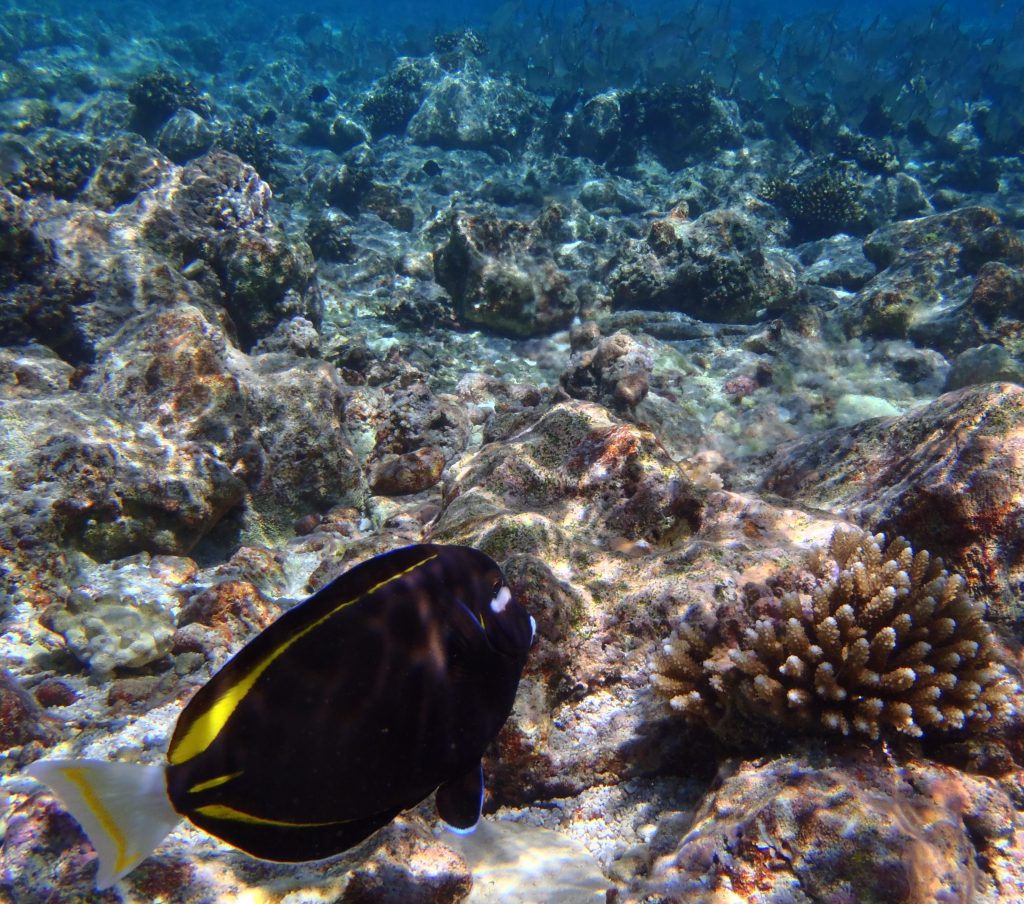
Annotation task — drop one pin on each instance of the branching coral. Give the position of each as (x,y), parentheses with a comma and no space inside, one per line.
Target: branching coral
(157,95)
(887,642)
(820,199)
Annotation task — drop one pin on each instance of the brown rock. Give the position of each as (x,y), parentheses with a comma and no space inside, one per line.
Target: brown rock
(925,276)
(93,480)
(714,268)
(54,692)
(857,828)
(235,609)
(307,524)
(615,372)
(124,692)
(998,293)
(127,166)
(948,476)
(171,371)
(21,718)
(258,565)
(402,415)
(275,420)
(502,277)
(584,471)
(402,475)
(46,849)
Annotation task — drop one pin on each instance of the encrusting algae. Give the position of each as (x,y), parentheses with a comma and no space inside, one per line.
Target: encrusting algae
(887,643)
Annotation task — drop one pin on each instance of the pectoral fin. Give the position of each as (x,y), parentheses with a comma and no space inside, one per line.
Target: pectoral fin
(459,800)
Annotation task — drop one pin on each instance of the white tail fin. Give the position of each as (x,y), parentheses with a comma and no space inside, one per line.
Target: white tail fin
(123,808)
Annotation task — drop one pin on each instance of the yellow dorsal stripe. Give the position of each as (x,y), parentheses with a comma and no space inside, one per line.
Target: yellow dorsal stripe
(213,783)
(102,814)
(219,811)
(204,729)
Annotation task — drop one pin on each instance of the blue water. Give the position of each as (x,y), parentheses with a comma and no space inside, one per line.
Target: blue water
(948,55)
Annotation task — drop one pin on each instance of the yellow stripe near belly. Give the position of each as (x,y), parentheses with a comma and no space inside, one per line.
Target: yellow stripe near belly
(219,811)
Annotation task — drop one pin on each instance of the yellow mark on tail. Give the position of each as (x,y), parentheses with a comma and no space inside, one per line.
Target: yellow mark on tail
(219,811)
(102,814)
(207,726)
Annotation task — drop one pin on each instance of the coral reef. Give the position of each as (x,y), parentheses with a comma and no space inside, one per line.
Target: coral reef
(714,267)
(471,110)
(917,294)
(820,200)
(55,162)
(391,103)
(158,95)
(455,47)
(280,292)
(218,215)
(252,142)
(871,155)
(887,642)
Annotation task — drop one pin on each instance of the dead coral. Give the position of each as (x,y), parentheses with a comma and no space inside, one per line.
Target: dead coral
(888,642)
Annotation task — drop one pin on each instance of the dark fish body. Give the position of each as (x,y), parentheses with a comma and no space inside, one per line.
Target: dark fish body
(351,707)
(384,685)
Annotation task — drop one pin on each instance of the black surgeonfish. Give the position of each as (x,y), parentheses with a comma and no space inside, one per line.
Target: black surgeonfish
(356,704)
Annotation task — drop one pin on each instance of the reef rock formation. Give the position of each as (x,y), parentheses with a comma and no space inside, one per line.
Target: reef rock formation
(201,235)
(927,278)
(714,268)
(847,827)
(946,475)
(76,472)
(468,109)
(502,277)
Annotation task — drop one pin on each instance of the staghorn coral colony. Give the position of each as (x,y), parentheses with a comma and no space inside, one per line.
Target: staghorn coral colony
(887,642)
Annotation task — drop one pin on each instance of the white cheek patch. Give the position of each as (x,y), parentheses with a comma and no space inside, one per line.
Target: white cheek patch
(533,628)
(499,603)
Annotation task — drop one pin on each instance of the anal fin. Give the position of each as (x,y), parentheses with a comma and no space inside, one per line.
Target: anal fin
(460,799)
